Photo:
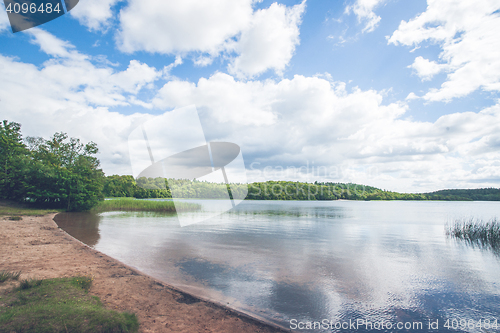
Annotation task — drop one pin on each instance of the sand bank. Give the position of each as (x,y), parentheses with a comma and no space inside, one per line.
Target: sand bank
(38,248)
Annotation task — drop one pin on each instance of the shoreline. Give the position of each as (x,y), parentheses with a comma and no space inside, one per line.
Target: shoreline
(38,248)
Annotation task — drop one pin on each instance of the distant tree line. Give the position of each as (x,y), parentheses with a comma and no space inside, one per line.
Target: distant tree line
(125,186)
(482,194)
(286,190)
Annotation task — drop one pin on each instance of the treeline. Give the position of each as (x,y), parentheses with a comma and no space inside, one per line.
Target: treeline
(125,186)
(482,194)
(58,173)
(286,190)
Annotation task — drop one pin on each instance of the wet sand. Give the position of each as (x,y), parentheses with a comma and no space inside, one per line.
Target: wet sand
(39,249)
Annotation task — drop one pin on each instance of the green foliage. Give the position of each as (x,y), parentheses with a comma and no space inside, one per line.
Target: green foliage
(482,194)
(58,173)
(60,305)
(152,188)
(285,190)
(13,161)
(65,173)
(119,186)
(145,188)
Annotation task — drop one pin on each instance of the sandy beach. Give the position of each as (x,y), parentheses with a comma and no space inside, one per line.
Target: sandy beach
(38,248)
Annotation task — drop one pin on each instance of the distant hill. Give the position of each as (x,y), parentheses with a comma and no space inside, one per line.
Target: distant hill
(481,194)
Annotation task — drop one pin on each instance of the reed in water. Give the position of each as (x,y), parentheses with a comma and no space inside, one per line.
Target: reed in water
(477,232)
(131,204)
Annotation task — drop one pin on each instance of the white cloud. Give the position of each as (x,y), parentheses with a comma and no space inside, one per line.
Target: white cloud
(411,96)
(94,14)
(467,34)
(54,46)
(241,103)
(4,19)
(364,10)
(253,41)
(183,26)
(135,77)
(269,42)
(425,68)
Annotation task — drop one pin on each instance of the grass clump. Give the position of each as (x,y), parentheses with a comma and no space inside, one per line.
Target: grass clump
(476,232)
(29,283)
(84,282)
(5,275)
(60,305)
(131,204)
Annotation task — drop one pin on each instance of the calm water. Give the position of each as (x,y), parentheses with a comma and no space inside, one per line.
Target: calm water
(335,263)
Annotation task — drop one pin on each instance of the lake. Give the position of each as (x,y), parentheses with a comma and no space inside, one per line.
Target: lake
(331,266)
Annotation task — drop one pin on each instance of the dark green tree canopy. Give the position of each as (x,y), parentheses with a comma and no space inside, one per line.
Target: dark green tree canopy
(61,172)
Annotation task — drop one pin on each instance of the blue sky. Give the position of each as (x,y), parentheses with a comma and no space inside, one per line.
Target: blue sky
(403,95)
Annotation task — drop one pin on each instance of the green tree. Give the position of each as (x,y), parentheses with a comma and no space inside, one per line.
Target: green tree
(13,161)
(64,173)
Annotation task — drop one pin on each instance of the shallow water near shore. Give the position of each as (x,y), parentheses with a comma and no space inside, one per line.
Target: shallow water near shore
(379,265)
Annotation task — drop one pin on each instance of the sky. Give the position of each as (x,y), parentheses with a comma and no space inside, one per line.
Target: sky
(400,95)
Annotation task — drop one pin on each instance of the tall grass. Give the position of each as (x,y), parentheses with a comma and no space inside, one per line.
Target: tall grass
(6,275)
(131,204)
(476,232)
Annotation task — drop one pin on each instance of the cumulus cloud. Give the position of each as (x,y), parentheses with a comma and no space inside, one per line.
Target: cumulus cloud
(254,41)
(269,42)
(425,68)
(54,46)
(94,14)
(183,26)
(364,10)
(467,33)
(86,82)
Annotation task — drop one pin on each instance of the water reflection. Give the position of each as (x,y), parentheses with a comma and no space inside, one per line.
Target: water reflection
(82,226)
(384,261)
